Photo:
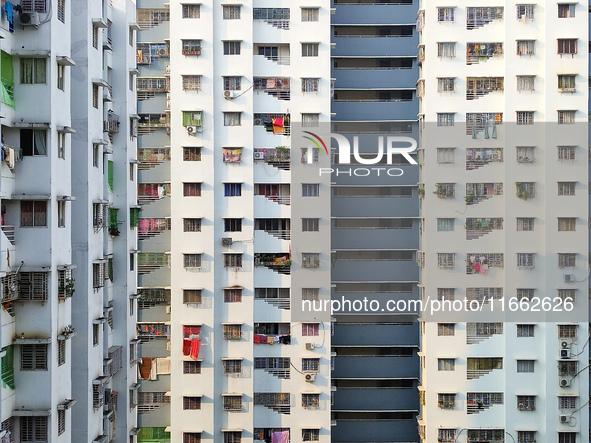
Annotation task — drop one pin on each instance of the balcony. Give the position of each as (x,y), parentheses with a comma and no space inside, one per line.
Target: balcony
(149,123)
(477,192)
(147,332)
(111,125)
(151,227)
(274,123)
(477,87)
(7,92)
(150,261)
(272,333)
(277,227)
(276,17)
(485,435)
(148,158)
(480,52)
(477,332)
(276,366)
(278,87)
(149,192)
(279,262)
(477,17)
(148,87)
(478,227)
(151,297)
(114,362)
(479,263)
(278,157)
(278,193)
(445,190)
(477,402)
(477,366)
(479,157)
(279,54)
(146,53)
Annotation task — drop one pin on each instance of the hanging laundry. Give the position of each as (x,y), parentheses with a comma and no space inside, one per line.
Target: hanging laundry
(194,349)
(270,83)
(145,367)
(153,374)
(280,437)
(186,347)
(483,269)
(143,226)
(256,339)
(9,16)
(270,340)
(163,365)
(278,122)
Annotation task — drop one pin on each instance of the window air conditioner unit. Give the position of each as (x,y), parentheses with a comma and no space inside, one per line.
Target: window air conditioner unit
(29,18)
(569,278)
(310,377)
(192,130)
(564,418)
(565,382)
(226,242)
(259,155)
(229,95)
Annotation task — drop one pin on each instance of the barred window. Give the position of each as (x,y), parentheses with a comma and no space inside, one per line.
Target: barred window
(310,84)
(232,295)
(61,421)
(310,224)
(310,401)
(232,332)
(191,367)
(446,364)
(61,11)
(232,118)
(445,224)
(191,154)
(525,117)
(310,120)
(446,49)
(232,437)
(192,260)
(232,48)
(310,364)
(191,82)
(566,223)
(232,224)
(525,365)
(231,12)
(446,435)
(191,224)
(526,436)
(567,402)
(446,260)
(310,189)
(34,5)
(566,188)
(525,294)
(34,357)
(525,12)
(446,329)
(191,47)
(310,329)
(192,296)
(566,10)
(232,402)
(525,331)
(526,190)
(191,11)
(567,331)
(446,84)
(567,260)
(191,402)
(232,83)
(33,429)
(526,260)
(566,152)
(310,293)
(310,14)
(445,119)
(567,294)
(566,117)
(232,260)
(61,352)
(526,82)
(191,189)
(310,434)
(191,437)
(98,275)
(232,366)
(310,260)
(445,155)
(446,14)
(309,49)
(446,293)
(566,82)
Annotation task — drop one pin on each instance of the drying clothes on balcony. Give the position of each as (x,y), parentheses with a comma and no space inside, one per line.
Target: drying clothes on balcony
(280,437)
(278,122)
(285,339)
(163,366)
(270,83)
(145,367)
(269,339)
(194,354)
(483,269)
(257,338)
(186,347)
(144,226)
(9,16)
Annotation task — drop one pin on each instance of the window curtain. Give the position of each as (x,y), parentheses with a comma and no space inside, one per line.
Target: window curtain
(40,146)
(39,70)
(27,70)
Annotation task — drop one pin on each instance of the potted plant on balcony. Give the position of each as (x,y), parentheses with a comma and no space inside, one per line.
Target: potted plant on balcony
(522,191)
(469,198)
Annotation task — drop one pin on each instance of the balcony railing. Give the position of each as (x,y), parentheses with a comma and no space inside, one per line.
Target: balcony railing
(149,123)
(274,123)
(151,227)
(478,157)
(153,331)
(280,263)
(278,87)
(149,192)
(111,125)
(277,157)
(150,297)
(150,261)
(151,157)
(481,52)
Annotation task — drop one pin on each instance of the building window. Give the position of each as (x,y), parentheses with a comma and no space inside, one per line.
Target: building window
(310,120)
(232,437)
(305,153)
(445,224)
(95,334)
(33,141)
(567,83)
(232,118)
(446,293)
(191,189)
(232,48)
(95,37)
(567,260)
(232,225)
(61,145)
(95,155)
(191,82)
(232,332)
(566,152)
(445,155)
(309,49)
(568,46)
(310,364)
(232,260)
(191,402)
(446,401)
(310,260)
(445,119)
(310,293)
(525,117)
(131,36)
(34,357)
(310,84)
(33,71)
(61,422)
(566,188)
(446,84)
(446,260)
(191,47)
(232,295)
(566,10)
(526,47)
(191,225)
(525,223)
(566,223)
(567,294)
(61,352)
(567,437)
(310,224)
(310,329)
(232,83)
(310,189)
(567,331)
(525,365)
(95,96)
(446,329)
(569,402)
(525,294)
(446,364)
(566,117)
(61,214)
(446,14)
(191,11)
(232,403)
(192,296)
(526,260)
(232,189)
(310,434)
(525,12)
(526,402)
(310,14)
(192,260)
(33,213)
(190,437)
(526,83)
(232,367)
(33,429)
(310,401)
(525,331)
(525,190)
(446,49)
(191,367)
(446,435)
(231,12)
(191,154)
(61,77)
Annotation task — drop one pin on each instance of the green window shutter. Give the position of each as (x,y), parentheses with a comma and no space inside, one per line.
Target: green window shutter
(7,83)
(110,174)
(192,118)
(110,268)
(112,218)
(134,217)
(7,370)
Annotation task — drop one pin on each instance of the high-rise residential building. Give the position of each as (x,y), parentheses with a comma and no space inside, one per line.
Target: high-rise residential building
(504,177)
(375,226)
(234,222)
(65,329)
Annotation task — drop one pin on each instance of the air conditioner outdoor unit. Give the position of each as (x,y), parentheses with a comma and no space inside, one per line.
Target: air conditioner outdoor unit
(192,130)
(226,242)
(168,309)
(162,52)
(564,418)
(228,95)
(569,278)
(310,377)
(29,18)
(309,346)
(565,343)
(259,155)
(564,353)
(258,121)
(565,382)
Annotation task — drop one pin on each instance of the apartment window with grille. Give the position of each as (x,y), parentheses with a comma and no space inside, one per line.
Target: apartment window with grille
(310,260)
(526,402)
(525,365)
(446,293)
(191,82)
(232,224)
(192,296)
(567,260)
(191,11)
(310,224)
(567,294)
(192,260)
(191,154)
(61,422)
(231,12)
(191,47)
(446,329)
(567,331)
(99,215)
(310,364)
(315,155)
(566,117)
(95,334)
(232,48)
(310,14)
(309,49)
(232,295)
(232,437)
(310,293)
(446,14)
(525,117)
(95,96)
(310,189)
(445,224)
(526,83)
(526,260)
(310,434)
(310,120)
(33,429)
(61,214)
(95,37)
(232,260)
(232,367)
(569,402)
(526,436)
(567,83)
(566,223)
(310,84)
(190,437)
(566,188)
(232,189)
(446,155)
(566,152)
(34,5)
(525,12)
(445,119)
(566,10)
(191,225)
(191,402)
(61,352)
(446,260)
(526,47)
(34,357)
(525,331)
(310,329)
(446,364)
(232,83)
(525,294)
(61,75)
(446,435)
(446,84)
(232,402)
(568,46)
(310,401)
(446,400)
(232,118)
(446,49)
(191,367)
(191,189)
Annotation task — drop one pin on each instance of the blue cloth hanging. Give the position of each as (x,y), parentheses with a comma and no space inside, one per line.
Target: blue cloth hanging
(9,16)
